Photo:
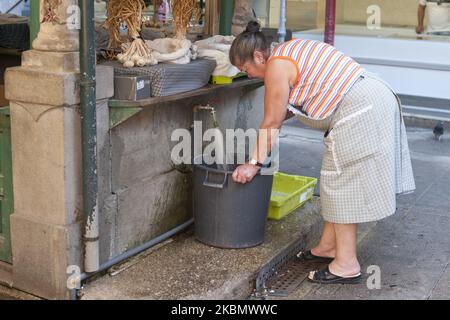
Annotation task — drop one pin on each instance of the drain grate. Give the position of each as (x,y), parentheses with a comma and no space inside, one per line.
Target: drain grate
(290,276)
(284,273)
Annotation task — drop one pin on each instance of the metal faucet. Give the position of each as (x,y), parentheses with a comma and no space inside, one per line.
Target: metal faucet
(200,107)
(210,108)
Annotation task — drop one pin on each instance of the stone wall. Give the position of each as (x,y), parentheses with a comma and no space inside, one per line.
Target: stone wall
(141,194)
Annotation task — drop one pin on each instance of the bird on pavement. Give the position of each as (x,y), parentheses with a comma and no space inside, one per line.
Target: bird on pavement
(438,131)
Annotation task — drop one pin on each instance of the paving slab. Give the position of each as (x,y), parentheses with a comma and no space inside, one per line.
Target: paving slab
(188,269)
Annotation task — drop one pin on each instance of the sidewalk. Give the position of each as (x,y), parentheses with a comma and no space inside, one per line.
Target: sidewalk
(188,269)
(412,247)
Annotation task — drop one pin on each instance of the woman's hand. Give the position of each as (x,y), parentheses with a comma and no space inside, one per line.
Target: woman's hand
(245,173)
(420,29)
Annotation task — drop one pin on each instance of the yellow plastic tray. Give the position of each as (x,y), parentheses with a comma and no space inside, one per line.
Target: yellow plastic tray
(226,80)
(288,193)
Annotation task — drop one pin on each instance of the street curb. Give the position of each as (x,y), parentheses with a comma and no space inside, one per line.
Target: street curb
(7,293)
(423,121)
(308,236)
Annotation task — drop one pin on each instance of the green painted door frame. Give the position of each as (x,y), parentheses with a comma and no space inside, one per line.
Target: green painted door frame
(6,190)
(226,17)
(34,20)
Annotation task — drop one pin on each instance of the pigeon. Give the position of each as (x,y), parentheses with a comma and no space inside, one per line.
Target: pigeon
(438,131)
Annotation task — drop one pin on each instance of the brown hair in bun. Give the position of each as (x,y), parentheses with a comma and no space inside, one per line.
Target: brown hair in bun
(246,43)
(253,26)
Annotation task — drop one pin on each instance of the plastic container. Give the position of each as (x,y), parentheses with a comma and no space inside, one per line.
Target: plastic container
(288,193)
(229,214)
(226,80)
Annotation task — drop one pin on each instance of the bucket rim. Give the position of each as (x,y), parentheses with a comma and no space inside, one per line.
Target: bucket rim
(205,167)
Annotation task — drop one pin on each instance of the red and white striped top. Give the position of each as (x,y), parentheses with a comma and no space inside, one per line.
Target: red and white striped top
(324,75)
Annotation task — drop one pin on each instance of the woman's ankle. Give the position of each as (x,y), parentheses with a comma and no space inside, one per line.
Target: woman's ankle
(323,252)
(348,267)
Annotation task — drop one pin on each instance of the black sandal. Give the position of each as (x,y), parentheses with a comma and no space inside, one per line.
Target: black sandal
(324,276)
(308,256)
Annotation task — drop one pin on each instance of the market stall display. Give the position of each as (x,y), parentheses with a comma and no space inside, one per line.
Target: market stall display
(167,78)
(182,11)
(169,63)
(217,48)
(179,51)
(136,53)
(129,13)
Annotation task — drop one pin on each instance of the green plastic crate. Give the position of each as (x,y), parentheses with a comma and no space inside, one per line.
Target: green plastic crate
(288,193)
(226,80)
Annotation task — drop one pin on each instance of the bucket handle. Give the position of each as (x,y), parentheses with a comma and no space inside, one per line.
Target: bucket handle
(207,183)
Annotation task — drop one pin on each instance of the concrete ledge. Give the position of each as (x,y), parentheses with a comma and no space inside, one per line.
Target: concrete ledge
(41,87)
(187,269)
(52,61)
(423,122)
(53,88)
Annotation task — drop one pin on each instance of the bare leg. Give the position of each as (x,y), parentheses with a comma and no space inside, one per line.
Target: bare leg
(327,244)
(346,261)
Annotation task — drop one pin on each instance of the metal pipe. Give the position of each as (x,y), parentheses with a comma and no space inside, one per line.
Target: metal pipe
(282,26)
(226,17)
(330,21)
(139,249)
(34,20)
(89,136)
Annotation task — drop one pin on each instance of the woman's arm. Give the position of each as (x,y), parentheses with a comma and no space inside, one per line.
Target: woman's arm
(277,85)
(280,74)
(421,16)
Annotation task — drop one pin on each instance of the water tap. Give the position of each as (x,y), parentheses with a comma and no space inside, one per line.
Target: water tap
(210,108)
(200,107)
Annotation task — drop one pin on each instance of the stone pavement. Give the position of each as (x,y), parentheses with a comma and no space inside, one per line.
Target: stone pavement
(184,268)
(411,248)
(187,269)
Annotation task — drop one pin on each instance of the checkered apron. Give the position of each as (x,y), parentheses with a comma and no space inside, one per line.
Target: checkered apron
(366,161)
